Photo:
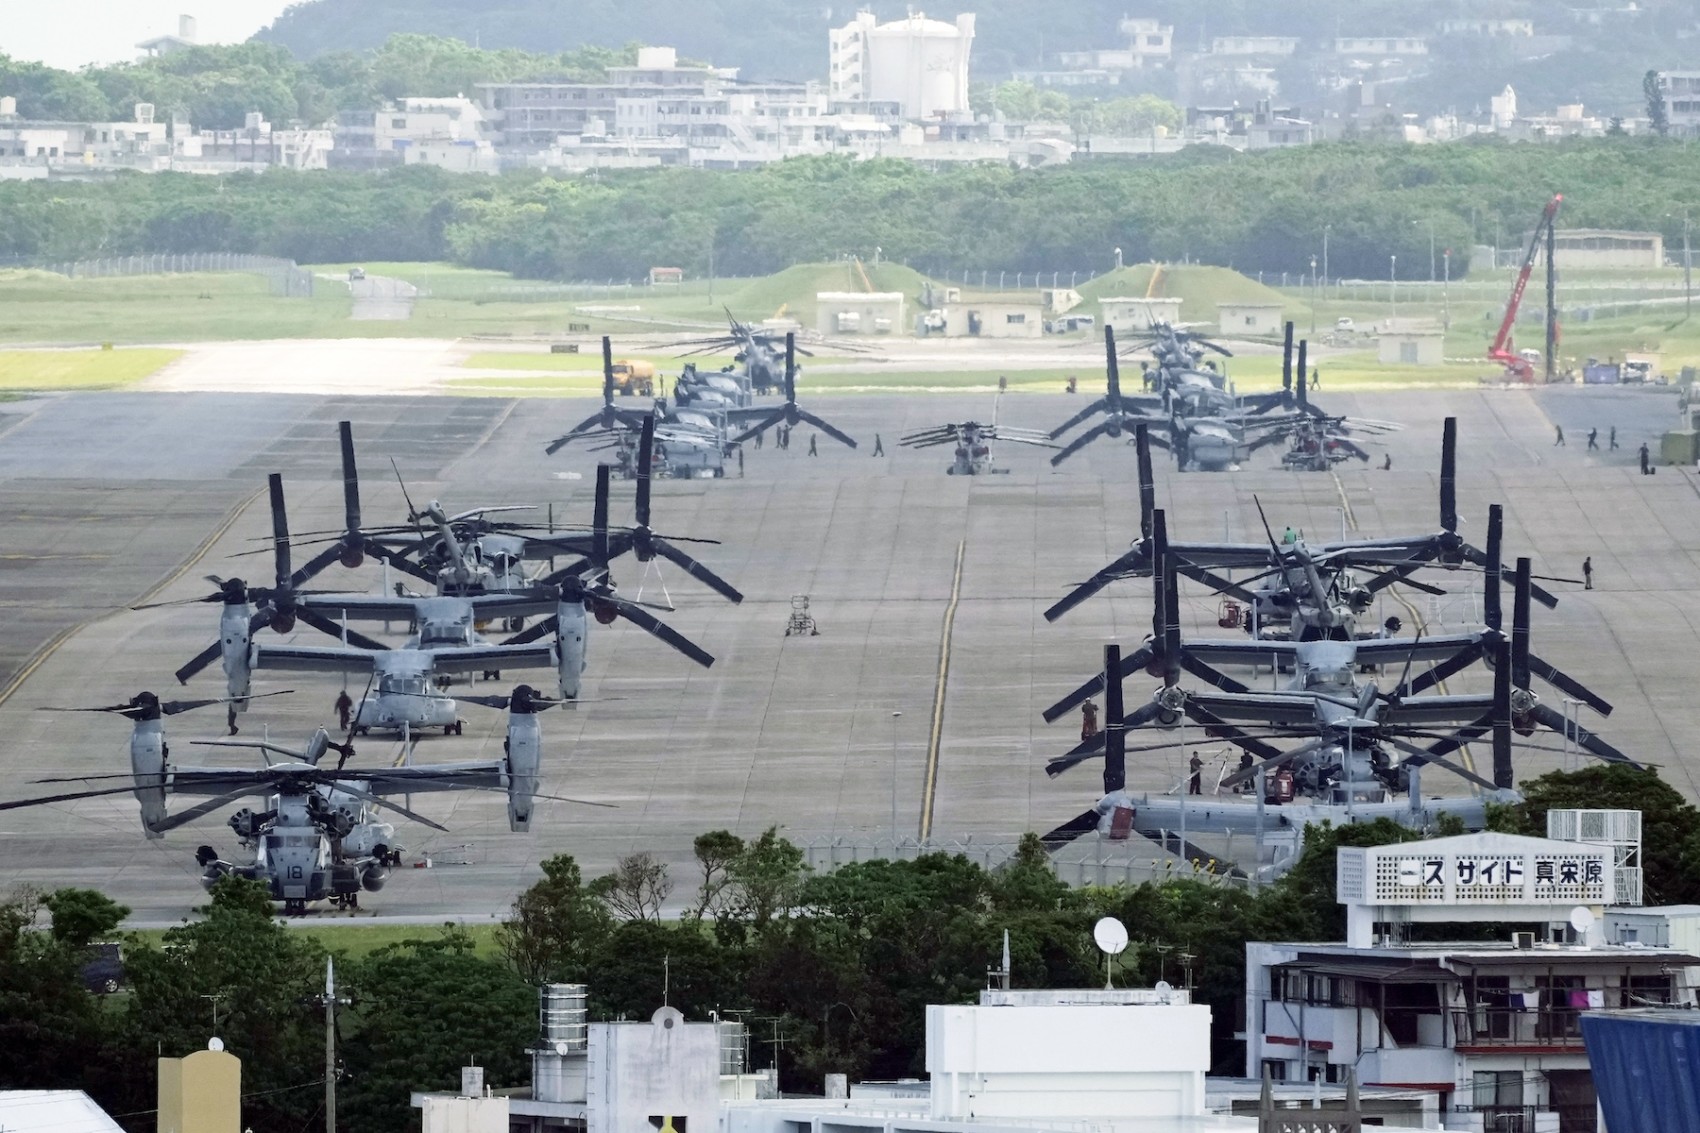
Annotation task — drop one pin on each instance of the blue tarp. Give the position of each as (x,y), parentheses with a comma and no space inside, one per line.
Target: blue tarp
(1646,1070)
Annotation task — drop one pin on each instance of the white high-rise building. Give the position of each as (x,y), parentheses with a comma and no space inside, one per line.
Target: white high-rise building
(920,64)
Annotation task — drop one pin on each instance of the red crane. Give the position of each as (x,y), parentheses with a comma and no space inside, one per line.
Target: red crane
(1516,366)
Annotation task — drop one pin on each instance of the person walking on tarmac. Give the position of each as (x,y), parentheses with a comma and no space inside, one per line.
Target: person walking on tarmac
(1559,443)
(1088,721)
(1612,439)
(1588,573)
(813,451)
(879,446)
(1195,781)
(1646,460)
(1593,440)
(343,707)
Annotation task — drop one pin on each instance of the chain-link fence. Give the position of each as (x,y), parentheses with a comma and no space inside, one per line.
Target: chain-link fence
(287,278)
(1092,860)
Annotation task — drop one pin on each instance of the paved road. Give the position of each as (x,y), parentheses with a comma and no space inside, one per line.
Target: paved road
(379,298)
(790,731)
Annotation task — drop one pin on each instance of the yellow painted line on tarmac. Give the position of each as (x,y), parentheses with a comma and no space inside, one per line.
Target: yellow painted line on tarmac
(930,790)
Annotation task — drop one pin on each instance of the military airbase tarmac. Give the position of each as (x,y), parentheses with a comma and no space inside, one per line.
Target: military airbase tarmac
(108,500)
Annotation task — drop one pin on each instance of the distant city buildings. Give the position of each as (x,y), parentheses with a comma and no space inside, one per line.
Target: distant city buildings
(36,150)
(897,89)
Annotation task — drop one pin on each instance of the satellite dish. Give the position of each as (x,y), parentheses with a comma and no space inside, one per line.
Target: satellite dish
(1111,936)
(1581,919)
(561,1046)
(215,1043)
(1164,989)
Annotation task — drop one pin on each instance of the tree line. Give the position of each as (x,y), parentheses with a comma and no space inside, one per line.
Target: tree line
(215,87)
(840,965)
(1271,211)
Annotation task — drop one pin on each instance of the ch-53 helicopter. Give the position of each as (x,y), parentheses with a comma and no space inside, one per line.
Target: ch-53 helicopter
(973,443)
(1204,424)
(321,835)
(696,441)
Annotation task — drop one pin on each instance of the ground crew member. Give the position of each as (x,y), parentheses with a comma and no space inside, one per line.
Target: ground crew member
(1593,441)
(1316,378)
(1612,441)
(879,446)
(343,707)
(1588,573)
(740,460)
(1088,721)
(1646,459)
(1560,441)
(759,436)
(812,450)
(1245,766)
(1387,463)
(1195,782)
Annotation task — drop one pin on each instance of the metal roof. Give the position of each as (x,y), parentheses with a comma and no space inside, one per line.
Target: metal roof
(53,1111)
(1381,971)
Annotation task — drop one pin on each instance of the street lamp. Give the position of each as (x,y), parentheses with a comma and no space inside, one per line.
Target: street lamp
(1326,229)
(1393,287)
(826,1018)
(1445,286)
(1315,295)
(1430,223)
(895,717)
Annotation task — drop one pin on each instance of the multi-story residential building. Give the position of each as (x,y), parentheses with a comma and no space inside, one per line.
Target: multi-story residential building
(1380,45)
(1487,29)
(1493,1026)
(1274,45)
(1681,90)
(452,132)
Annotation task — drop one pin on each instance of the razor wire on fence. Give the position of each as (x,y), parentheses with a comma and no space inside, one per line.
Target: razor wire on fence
(1087,861)
(287,278)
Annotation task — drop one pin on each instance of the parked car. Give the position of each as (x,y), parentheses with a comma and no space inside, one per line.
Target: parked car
(103,974)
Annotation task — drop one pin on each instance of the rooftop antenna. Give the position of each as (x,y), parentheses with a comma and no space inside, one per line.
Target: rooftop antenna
(1111,937)
(999,977)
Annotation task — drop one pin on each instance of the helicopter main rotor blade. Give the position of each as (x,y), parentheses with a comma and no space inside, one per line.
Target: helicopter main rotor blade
(202,809)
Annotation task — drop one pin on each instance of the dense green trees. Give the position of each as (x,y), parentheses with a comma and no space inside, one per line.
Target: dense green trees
(1256,212)
(840,966)
(215,87)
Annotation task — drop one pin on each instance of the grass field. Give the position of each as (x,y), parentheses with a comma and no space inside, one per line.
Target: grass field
(80,369)
(39,307)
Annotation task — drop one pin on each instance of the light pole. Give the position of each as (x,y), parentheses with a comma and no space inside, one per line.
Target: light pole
(1315,295)
(826,1018)
(895,717)
(1445,286)
(1326,229)
(1687,270)
(1431,275)
(1393,288)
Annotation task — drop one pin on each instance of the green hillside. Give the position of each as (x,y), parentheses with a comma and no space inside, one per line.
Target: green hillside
(791,292)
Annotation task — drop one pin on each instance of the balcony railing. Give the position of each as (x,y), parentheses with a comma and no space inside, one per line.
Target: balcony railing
(1500,1118)
(1509,1026)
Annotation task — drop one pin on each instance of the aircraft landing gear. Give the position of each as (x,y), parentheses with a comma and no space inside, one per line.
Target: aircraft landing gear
(295,907)
(454,729)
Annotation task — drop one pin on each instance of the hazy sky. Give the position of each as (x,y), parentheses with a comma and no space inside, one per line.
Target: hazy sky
(72,33)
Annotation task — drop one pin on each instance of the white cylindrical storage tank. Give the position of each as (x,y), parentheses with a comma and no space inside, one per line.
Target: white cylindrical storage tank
(920,63)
